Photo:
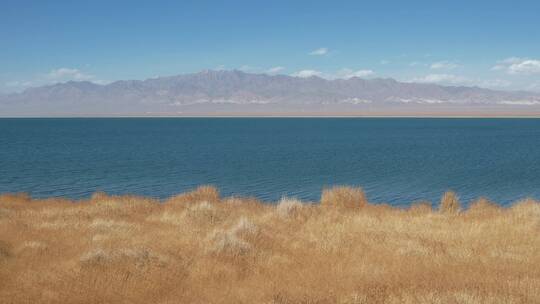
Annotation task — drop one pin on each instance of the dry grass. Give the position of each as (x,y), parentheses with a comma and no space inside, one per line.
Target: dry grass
(450,203)
(343,197)
(200,248)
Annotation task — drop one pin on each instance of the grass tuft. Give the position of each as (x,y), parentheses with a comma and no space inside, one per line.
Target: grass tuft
(343,197)
(450,203)
(289,207)
(483,206)
(202,193)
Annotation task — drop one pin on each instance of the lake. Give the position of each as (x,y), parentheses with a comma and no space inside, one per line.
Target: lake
(395,160)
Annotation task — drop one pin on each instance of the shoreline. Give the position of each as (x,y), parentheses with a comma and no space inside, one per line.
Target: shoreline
(415,116)
(464,204)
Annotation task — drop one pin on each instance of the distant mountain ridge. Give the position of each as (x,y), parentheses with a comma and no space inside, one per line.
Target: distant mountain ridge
(239,92)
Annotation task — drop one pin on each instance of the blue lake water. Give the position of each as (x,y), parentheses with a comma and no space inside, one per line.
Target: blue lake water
(395,160)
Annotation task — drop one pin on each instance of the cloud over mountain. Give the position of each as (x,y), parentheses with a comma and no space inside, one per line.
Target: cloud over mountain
(515,65)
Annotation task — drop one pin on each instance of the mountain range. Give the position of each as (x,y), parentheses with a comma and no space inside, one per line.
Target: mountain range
(239,93)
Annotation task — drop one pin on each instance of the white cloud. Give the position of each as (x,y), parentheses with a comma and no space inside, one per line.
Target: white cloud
(275,70)
(442,79)
(525,67)
(515,65)
(451,79)
(64,74)
(319,52)
(52,77)
(344,73)
(348,73)
(103,82)
(307,73)
(246,68)
(18,84)
(443,65)
(511,60)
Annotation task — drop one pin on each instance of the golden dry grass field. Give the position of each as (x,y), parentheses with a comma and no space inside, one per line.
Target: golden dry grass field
(200,248)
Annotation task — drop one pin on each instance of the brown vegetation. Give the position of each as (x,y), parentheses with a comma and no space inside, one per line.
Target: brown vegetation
(200,248)
(343,197)
(450,203)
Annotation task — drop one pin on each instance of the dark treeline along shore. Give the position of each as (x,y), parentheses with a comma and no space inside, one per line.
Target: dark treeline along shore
(395,160)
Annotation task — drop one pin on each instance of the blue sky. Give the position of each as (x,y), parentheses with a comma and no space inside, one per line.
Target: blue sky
(492,44)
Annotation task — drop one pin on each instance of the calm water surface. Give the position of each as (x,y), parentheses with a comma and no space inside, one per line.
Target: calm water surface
(396,160)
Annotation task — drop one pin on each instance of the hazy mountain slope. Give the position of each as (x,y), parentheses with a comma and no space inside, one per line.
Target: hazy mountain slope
(222,91)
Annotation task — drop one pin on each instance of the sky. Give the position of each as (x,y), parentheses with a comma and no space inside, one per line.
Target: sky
(493,44)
